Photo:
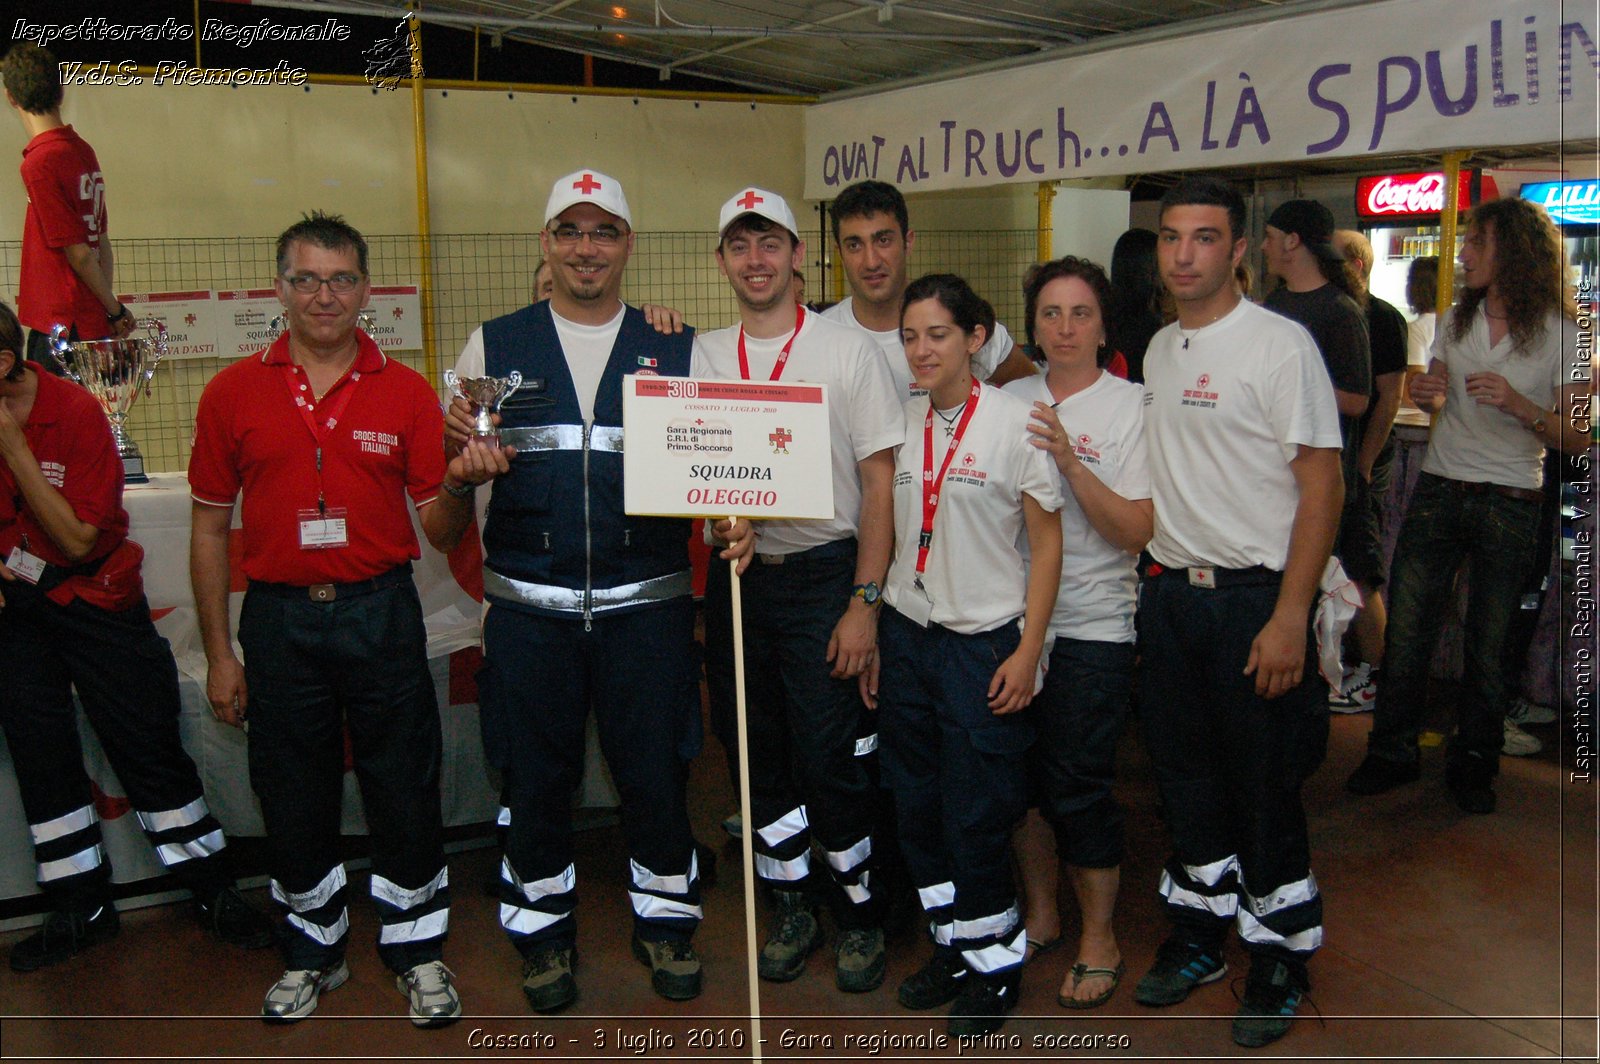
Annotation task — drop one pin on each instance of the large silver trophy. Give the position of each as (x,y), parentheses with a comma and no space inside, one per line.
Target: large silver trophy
(485,394)
(115,372)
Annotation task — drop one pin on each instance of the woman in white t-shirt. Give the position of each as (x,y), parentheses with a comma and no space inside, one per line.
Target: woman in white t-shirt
(956,666)
(1422,296)
(1092,426)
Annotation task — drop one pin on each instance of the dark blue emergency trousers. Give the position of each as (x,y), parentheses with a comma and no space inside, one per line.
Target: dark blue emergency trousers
(959,776)
(589,609)
(1230,764)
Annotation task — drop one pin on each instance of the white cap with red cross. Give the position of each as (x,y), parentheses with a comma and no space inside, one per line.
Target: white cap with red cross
(587,186)
(760,202)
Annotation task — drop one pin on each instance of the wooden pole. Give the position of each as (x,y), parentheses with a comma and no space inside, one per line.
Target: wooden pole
(748,833)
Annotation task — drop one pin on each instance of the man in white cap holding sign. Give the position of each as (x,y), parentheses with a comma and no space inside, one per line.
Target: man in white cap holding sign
(588,608)
(810,605)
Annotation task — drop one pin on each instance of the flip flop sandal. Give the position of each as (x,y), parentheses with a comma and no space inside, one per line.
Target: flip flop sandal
(1036,948)
(1079,973)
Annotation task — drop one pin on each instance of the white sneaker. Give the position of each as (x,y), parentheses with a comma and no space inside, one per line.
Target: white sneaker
(431,988)
(294,995)
(1519,743)
(1524,712)
(1359,690)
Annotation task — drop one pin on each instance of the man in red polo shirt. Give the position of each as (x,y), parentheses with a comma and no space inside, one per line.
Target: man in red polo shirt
(66,255)
(72,607)
(324,438)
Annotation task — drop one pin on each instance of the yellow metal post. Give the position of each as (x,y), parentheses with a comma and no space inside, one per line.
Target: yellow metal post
(1046,236)
(419,137)
(1447,229)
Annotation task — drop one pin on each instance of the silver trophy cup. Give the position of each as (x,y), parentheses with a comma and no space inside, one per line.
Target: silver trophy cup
(115,372)
(485,394)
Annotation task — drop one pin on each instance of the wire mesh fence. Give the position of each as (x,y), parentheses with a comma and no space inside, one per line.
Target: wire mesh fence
(478,276)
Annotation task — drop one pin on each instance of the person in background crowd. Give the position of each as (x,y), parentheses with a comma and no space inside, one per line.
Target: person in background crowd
(873,235)
(321,439)
(962,638)
(1244,443)
(1360,547)
(1092,425)
(73,615)
(544,284)
(1135,312)
(1422,295)
(1503,386)
(810,609)
(66,249)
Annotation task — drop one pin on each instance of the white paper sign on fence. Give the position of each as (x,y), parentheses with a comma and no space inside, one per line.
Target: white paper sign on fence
(721,448)
(190,318)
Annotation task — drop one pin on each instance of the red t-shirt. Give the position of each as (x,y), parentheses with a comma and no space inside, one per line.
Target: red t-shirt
(70,437)
(253,433)
(66,205)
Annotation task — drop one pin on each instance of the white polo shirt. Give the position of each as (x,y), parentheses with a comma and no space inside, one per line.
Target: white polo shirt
(1224,417)
(976,577)
(863,415)
(984,363)
(1099,580)
(1478,443)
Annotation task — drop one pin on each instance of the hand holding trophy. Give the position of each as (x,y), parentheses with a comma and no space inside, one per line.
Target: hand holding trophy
(485,394)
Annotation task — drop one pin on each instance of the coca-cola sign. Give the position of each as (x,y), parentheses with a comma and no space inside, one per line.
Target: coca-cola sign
(1410,195)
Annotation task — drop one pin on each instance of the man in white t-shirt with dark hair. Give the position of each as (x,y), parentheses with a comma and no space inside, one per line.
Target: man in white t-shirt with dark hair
(810,607)
(873,235)
(1244,441)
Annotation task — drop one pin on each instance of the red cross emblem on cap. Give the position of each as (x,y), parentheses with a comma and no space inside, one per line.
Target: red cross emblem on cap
(588,185)
(749,200)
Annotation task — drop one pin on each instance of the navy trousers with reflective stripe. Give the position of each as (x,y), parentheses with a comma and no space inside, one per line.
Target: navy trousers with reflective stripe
(806,781)
(1230,766)
(638,671)
(313,670)
(959,776)
(128,685)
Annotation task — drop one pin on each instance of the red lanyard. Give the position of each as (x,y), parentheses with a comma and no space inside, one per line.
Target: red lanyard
(931,486)
(783,356)
(320,432)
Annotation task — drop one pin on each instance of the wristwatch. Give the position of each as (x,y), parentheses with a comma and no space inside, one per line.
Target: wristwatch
(869,592)
(1538,426)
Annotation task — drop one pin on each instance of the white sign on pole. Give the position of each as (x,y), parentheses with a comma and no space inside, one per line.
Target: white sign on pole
(243,320)
(396,317)
(190,319)
(725,448)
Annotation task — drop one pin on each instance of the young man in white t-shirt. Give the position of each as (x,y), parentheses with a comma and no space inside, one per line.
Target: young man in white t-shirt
(1243,439)
(872,231)
(810,607)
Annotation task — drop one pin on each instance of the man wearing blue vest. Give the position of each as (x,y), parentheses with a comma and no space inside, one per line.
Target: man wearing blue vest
(588,608)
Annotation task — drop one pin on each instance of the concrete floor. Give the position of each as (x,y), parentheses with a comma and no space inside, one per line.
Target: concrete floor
(1448,936)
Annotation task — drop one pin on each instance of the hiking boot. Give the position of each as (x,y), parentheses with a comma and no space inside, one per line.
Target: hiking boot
(1179,968)
(547,979)
(798,933)
(859,960)
(938,981)
(431,988)
(294,996)
(227,917)
(981,1006)
(1272,993)
(674,967)
(1357,693)
(63,935)
(1378,774)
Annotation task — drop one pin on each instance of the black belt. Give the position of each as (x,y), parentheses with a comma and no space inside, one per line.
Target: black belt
(1483,487)
(400,574)
(822,552)
(1219,577)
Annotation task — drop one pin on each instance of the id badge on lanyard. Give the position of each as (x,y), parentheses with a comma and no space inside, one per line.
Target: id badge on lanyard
(918,607)
(325,527)
(27,567)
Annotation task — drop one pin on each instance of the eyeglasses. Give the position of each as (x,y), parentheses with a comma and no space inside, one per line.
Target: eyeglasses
(601,236)
(307,283)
